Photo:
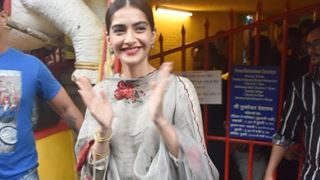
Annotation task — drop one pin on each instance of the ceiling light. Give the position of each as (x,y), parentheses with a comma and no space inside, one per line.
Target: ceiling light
(168,11)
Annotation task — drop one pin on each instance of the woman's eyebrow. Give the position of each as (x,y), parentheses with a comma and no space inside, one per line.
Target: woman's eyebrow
(134,24)
(117,26)
(140,23)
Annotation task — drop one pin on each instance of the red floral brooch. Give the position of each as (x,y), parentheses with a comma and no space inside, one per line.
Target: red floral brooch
(127,91)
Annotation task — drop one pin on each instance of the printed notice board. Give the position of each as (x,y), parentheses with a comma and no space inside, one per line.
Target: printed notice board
(207,84)
(254,102)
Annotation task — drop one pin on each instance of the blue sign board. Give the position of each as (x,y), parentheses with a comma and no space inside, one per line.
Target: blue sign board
(254,102)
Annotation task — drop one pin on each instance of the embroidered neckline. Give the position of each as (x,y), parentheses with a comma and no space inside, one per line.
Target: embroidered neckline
(127,91)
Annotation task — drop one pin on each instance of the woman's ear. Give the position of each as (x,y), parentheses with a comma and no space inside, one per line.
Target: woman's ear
(107,36)
(4,18)
(154,35)
(108,40)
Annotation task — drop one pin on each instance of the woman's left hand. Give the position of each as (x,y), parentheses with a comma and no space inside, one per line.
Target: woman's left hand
(157,92)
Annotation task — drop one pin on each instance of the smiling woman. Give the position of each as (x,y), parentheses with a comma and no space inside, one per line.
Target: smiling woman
(142,123)
(131,38)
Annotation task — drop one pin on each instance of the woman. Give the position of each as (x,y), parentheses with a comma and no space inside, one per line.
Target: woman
(142,123)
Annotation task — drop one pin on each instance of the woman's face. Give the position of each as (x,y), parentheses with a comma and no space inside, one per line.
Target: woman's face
(130,35)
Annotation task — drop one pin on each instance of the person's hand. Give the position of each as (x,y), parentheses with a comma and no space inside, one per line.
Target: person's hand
(157,93)
(97,103)
(268,176)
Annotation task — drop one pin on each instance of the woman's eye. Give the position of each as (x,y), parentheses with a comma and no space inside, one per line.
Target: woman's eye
(140,29)
(118,31)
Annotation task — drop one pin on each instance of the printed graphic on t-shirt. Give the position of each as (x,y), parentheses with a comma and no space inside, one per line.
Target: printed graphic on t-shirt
(10,93)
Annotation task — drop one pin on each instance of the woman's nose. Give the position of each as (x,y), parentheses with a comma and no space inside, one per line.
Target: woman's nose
(130,37)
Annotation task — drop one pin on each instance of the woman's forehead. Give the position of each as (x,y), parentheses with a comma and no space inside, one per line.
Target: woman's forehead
(128,14)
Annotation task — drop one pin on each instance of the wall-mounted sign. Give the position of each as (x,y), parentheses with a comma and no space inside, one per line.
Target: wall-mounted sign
(254,102)
(207,84)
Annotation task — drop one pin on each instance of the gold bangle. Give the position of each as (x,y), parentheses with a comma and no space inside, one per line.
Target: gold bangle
(102,155)
(102,139)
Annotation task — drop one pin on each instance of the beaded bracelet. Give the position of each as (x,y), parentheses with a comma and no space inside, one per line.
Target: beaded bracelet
(102,139)
(102,155)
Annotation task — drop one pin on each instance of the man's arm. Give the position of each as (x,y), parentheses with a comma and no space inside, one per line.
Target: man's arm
(277,154)
(67,110)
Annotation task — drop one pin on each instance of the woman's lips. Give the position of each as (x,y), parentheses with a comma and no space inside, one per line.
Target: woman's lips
(131,51)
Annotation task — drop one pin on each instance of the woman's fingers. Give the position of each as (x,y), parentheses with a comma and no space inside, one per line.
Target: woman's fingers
(85,90)
(104,96)
(165,71)
(84,83)
(158,90)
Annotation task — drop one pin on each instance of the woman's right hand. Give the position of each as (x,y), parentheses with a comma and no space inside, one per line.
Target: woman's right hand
(97,103)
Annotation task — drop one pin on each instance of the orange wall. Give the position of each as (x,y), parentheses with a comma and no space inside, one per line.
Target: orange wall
(170,27)
(56,153)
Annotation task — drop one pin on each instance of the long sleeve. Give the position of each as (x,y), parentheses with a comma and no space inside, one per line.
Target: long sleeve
(137,150)
(293,109)
(193,158)
(182,107)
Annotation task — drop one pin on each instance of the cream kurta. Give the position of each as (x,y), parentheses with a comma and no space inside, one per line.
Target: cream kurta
(136,149)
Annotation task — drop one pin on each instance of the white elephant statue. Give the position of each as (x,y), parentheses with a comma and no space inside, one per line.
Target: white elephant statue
(81,20)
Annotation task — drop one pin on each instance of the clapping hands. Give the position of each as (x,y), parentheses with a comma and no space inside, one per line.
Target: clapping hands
(96,102)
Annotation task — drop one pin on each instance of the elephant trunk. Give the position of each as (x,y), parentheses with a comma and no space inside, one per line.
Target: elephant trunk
(75,19)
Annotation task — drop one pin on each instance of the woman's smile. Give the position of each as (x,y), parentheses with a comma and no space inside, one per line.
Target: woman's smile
(131,51)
